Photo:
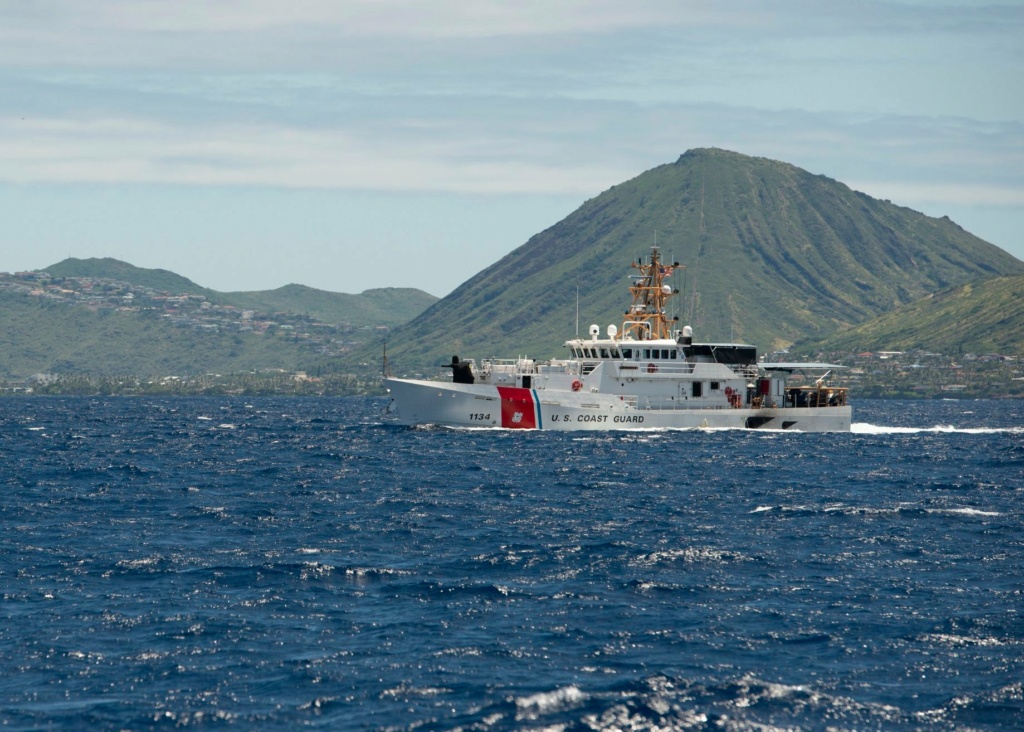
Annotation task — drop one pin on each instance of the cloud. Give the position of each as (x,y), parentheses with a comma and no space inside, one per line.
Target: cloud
(495,97)
(403,18)
(464,145)
(234,34)
(109,150)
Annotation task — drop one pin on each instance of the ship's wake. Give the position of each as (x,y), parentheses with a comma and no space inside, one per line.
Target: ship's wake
(862,428)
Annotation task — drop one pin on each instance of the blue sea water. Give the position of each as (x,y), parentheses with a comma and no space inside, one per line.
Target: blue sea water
(287,563)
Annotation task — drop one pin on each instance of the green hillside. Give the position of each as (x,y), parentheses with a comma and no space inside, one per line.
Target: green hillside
(390,306)
(774,255)
(103,317)
(982,317)
(114,269)
(40,336)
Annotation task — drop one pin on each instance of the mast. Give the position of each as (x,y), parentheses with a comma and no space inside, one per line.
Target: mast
(646,318)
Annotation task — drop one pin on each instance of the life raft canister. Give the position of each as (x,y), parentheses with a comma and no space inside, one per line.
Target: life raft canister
(652,368)
(577,385)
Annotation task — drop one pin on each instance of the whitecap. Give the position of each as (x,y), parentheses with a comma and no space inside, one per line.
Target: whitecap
(963,511)
(532,707)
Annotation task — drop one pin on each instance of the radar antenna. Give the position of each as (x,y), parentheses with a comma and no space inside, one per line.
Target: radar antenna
(646,318)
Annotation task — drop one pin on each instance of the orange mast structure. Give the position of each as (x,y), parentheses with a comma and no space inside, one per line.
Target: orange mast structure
(646,319)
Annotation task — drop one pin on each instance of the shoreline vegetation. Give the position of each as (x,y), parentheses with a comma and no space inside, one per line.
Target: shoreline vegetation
(884,375)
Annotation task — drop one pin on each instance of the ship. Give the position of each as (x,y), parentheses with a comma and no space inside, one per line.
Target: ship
(648,374)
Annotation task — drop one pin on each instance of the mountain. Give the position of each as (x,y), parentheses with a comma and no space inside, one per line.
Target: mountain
(114,269)
(383,306)
(44,336)
(101,317)
(774,255)
(388,306)
(981,318)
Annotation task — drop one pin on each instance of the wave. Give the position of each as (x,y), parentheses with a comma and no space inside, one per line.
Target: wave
(862,428)
(744,703)
(860,510)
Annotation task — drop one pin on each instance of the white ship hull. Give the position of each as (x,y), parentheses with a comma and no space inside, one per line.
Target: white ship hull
(485,405)
(649,376)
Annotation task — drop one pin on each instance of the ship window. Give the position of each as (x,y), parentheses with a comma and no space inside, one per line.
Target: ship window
(615,353)
(647,353)
(674,354)
(664,353)
(714,386)
(604,353)
(655,353)
(627,353)
(698,389)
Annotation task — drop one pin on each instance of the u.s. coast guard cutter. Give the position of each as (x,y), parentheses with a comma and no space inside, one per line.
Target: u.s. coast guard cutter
(645,376)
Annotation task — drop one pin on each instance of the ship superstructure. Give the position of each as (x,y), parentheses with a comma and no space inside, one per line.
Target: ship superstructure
(648,374)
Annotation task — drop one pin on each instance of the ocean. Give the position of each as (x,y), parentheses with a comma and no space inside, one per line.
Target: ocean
(233,563)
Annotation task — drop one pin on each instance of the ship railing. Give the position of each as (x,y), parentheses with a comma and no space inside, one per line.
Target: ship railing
(747,372)
(635,368)
(816,396)
(654,404)
(555,366)
(508,366)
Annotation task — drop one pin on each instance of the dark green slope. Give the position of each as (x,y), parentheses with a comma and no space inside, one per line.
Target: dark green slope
(778,255)
(40,336)
(982,317)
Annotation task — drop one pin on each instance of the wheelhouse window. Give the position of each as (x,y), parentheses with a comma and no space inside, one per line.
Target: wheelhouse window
(604,353)
(615,353)
(627,353)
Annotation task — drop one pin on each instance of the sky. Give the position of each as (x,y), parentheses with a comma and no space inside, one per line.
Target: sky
(354,144)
